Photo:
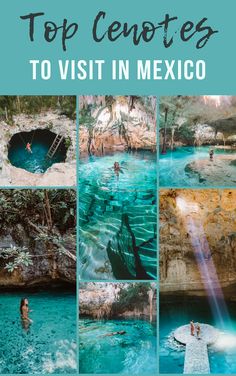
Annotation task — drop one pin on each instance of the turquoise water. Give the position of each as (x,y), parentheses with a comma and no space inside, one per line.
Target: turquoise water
(37,162)
(131,353)
(118,217)
(49,345)
(172,165)
(176,312)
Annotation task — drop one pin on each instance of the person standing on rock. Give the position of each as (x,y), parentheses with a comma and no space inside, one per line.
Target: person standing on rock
(117,168)
(211,154)
(198,331)
(192,328)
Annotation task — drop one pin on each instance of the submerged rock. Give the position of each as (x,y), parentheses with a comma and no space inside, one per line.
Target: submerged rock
(221,171)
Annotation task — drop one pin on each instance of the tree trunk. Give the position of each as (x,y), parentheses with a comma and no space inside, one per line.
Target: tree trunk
(172,138)
(164,135)
(48,213)
(150,296)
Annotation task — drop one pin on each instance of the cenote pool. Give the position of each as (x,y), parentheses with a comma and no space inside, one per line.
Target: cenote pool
(118,216)
(37,161)
(175,312)
(131,353)
(172,165)
(49,345)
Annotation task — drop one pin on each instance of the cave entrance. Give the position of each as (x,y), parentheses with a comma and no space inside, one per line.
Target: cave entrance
(36,162)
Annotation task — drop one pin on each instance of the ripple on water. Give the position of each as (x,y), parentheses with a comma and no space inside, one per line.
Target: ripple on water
(131,353)
(49,346)
(173,163)
(104,199)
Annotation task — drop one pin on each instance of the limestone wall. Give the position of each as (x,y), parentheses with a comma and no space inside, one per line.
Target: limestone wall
(48,265)
(119,126)
(102,300)
(194,221)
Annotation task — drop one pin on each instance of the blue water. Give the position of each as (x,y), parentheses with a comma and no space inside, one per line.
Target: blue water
(175,312)
(173,163)
(49,345)
(37,162)
(118,216)
(131,353)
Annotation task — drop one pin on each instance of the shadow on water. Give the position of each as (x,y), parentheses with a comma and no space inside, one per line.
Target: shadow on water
(118,216)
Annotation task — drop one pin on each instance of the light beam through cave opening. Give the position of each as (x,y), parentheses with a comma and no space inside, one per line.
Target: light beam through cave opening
(205,264)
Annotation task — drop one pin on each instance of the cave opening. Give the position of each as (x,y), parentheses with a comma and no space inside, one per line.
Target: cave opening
(41,141)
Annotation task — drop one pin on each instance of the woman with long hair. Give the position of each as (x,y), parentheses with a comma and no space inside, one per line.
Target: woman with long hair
(24,312)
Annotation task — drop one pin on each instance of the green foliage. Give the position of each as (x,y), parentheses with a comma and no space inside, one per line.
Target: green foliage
(130,297)
(68,106)
(44,215)
(67,142)
(185,134)
(24,205)
(85,116)
(31,105)
(15,257)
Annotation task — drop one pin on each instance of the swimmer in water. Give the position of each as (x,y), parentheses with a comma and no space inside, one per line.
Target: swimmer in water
(117,168)
(24,313)
(28,147)
(121,333)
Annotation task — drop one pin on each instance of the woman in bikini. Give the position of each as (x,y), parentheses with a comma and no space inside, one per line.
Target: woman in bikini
(24,312)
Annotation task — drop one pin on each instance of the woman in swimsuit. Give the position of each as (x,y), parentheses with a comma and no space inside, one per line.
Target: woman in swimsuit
(28,147)
(24,312)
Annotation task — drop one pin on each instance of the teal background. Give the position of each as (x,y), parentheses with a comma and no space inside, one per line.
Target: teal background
(17,50)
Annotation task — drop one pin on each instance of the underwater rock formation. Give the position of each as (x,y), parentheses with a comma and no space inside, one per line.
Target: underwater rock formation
(116,124)
(114,300)
(124,251)
(197,223)
(221,171)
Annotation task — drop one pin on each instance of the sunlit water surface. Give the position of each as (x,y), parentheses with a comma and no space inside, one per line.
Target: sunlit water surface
(131,353)
(49,345)
(173,163)
(175,312)
(118,211)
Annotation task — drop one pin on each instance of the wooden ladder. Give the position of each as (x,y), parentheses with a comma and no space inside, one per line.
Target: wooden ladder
(57,141)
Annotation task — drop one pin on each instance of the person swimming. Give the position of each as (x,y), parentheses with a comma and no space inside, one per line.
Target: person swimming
(28,147)
(24,312)
(117,168)
(121,333)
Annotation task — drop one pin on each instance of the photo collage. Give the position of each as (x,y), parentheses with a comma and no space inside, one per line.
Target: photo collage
(117,234)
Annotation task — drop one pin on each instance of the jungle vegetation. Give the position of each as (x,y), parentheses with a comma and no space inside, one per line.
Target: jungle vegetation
(44,215)
(32,105)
